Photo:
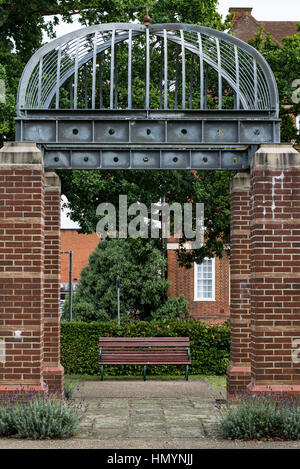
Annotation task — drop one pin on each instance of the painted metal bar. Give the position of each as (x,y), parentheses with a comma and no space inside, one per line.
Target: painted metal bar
(100,82)
(255,83)
(85,87)
(116,78)
(206,87)
(71,92)
(40,82)
(219,74)
(237,72)
(112,69)
(76,74)
(165,70)
(58,78)
(147,90)
(201,70)
(130,69)
(176,78)
(192,82)
(94,71)
(183,67)
(161,74)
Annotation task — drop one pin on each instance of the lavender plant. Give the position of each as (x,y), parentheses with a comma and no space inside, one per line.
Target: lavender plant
(266,416)
(39,416)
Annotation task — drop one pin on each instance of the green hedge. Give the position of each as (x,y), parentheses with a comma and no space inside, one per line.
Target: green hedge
(209,346)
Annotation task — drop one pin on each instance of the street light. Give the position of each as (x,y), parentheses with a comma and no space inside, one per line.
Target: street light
(118,297)
(70,281)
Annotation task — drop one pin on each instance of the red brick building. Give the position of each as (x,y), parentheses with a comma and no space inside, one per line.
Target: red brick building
(82,246)
(205,286)
(245,26)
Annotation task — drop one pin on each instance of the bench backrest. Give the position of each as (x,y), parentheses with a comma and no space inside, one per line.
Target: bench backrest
(142,342)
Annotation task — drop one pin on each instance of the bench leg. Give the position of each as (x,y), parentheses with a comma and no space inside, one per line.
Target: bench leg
(187,372)
(102,372)
(145,372)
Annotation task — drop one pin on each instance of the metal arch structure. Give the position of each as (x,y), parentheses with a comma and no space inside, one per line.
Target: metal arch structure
(75,113)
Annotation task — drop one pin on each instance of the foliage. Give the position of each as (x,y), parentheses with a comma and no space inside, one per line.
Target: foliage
(6,422)
(38,415)
(175,308)
(284,60)
(265,416)
(209,346)
(143,287)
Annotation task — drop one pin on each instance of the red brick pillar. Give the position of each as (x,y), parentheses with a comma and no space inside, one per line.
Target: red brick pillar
(54,372)
(21,266)
(275,269)
(238,373)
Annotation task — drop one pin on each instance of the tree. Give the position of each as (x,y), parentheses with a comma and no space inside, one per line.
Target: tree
(284,60)
(143,287)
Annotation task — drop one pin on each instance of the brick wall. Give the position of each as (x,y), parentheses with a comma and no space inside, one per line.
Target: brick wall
(53,374)
(238,373)
(182,283)
(29,272)
(82,246)
(275,268)
(21,266)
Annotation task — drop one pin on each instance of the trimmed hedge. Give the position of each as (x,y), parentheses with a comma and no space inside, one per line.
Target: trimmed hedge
(210,346)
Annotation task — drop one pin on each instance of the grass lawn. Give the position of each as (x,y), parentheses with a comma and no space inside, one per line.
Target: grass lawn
(217,382)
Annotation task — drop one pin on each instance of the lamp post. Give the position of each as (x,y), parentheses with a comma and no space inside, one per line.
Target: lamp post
(118,297)
(70,281)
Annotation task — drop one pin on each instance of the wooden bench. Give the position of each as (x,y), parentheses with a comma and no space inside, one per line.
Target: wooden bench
(145,351)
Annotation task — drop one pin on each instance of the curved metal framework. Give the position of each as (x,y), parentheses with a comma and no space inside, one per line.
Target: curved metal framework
(69,98)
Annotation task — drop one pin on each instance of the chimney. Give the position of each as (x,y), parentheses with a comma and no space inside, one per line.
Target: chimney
(240,13)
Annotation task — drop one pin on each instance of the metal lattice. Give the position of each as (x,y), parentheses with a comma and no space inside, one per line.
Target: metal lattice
(87,108)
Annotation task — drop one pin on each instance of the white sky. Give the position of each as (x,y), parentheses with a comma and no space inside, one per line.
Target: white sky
(267,10)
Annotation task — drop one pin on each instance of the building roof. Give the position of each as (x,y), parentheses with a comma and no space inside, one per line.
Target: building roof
(245,26)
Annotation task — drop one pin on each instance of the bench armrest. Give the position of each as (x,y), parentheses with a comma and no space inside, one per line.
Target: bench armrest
(189,352)
(100,353)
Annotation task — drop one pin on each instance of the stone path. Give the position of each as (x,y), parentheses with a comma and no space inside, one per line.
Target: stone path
(161,419)
(126,410)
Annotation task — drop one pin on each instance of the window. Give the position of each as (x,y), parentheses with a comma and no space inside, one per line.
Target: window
(298,123)
(204,280)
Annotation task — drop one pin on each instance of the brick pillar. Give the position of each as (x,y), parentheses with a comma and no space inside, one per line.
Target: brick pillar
(238,373)
(21,267)
(275,269)
(53,372)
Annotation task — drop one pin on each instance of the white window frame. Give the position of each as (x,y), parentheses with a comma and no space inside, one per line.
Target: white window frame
(298,123)
(196,298)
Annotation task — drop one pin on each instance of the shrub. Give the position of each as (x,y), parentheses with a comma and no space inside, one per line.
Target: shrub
(174,308)
(210,345)
(6,422)
(38,416)
(258,417)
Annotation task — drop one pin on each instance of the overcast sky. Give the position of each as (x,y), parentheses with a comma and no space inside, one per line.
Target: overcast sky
(267,10)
